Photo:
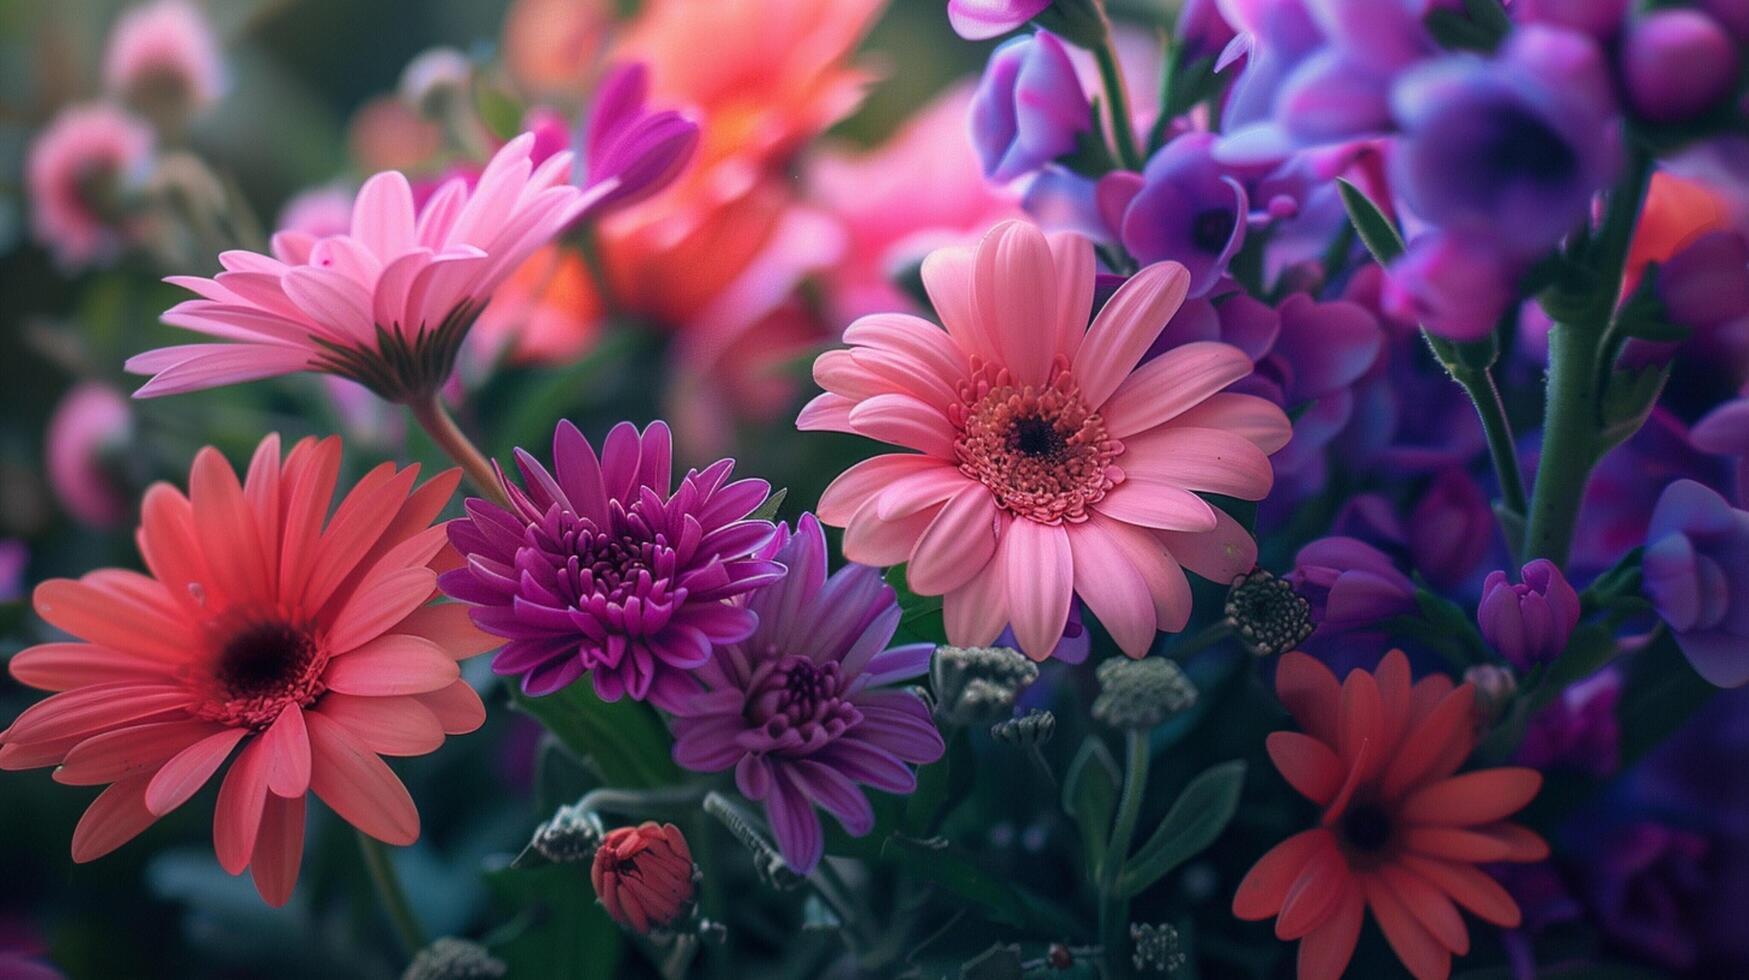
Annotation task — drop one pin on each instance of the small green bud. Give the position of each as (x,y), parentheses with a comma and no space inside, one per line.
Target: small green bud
(1155,948)
(1267,615)
(978,685)
(568,837)
(1033,728)
(1141,693)
(455,959)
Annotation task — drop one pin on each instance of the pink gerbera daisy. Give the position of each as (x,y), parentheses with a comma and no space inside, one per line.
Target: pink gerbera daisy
(303,646)
(1048,463)
(387,305)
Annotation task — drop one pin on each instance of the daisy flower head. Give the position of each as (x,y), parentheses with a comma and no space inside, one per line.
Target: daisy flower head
(1401,832)
(801,708)
(300,648)
(78,173)
(1048,460)
(386,304)
(603,565)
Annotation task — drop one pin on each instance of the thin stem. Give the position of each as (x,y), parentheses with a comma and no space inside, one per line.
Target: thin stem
(640,802)
(1479,383)
(392,896)
(1114,908)
(1207,637)
(1117,102)
(429,412)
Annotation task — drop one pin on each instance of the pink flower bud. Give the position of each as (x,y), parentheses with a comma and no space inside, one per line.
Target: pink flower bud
(643,875)
(1677,64)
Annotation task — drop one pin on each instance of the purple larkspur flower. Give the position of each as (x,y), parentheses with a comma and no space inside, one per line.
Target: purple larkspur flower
(1450,529)
(1599,18)
(1184,206)
(1029,108)
(1579,730)
(1530,621)
(1350,584)
(1696,572)
(626,141)
(602,566)
(1677,64)
(1725,432)
(978,20)
(800,708)
(1508,150)
(1617,507)
(1454,285)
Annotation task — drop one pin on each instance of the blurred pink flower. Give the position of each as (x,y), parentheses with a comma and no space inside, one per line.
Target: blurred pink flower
(318,212)
(163,59)
(89,425)
(388,305)
(918,191)
(1047,463)
(76,173)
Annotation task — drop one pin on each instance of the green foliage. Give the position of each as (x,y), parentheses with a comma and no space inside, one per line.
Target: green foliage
(1090,796)
(563,933)
(953,869)
(622,740)
(1197,817)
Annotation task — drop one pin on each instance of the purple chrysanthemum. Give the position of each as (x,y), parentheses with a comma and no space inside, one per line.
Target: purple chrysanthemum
(797,707)
(600,567)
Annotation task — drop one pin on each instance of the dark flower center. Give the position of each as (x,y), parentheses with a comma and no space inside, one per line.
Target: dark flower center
(1528,147)
(1366,827)
(1041,450)
(799,696)
(1036,437)
(1210,229)
(264,658)
(263,664)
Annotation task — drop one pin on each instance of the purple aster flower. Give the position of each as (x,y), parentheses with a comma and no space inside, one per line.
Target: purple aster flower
(799,708)
(624,140)
(1450,529)
(1184,207)
(1696,572)
(1529,622)
(1725,432)
(600,565)
(1508,151)
(1677,64)
(1578,731)
(1350,584)
(977,20)
(1029,108)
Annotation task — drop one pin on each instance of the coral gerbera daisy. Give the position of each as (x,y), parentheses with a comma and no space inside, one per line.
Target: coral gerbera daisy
(1400,833)
(1047,462)
(299,647)
(388,305)
(800,708)
(602,565)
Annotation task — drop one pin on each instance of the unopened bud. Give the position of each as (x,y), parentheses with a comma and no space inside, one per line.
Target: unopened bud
(1266,613)
(644,876)
(978,685)
(568,837)
(436,81)
(1495,688)
(1141,693)
(1034,728)
(455,959)
(1155,948)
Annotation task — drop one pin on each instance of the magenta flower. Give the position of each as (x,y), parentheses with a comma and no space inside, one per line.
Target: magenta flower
(1529,622)
(76,174)
(977,20)
(798,707)
(601,566)
(91,428)
(1350,584)
(1453,285)
(387,305)
(624,141)
(1677,64)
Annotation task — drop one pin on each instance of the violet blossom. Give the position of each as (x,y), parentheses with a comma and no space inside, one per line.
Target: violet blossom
(1029,108)
(1696,572)
(1530,621)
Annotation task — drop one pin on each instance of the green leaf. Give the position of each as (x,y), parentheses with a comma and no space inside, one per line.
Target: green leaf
(1489,15)
(1376,231)
(1628,398)
(1453,621)
(999,962)
(941,786)
(953,869)
(499,110)
(1591,647)
(1197,817)
(1090,796)
(622,740)
(768,510)
(1660,693)
(1455,32)
(920,618)
(567,934)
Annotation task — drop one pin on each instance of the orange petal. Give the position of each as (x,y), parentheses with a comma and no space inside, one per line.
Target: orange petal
(1419,952)
(1473,798)
(1326,950)
(1429,740)
(1362,720)
(1311,694)
(1429,905)
(1307,764)
(1455,844)
(1314,894)
(1393,679)
(1472,889)
(1265,886)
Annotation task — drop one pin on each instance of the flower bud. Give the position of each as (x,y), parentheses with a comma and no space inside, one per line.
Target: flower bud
(978,685)
(1677,64)
(1350,584)
(1696,572)
(1707,283)
(1528,623)
(1141,693)
(163,60)
(1495,687)
(1029,108)
(1456,288)
(87,437)
(1450,528)
(644,876)
(568,837)
(1032,729)
(978,20)
(1155,949)
(455,959)
(1267,614)
(436,82)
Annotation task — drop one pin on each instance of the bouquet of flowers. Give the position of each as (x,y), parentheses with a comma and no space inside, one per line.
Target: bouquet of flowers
(1255,490)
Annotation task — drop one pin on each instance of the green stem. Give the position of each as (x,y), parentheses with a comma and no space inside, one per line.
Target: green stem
(392,896)
(1114,908)
(1207,637)
(1117,103)
(1485,394)
(641,802)
(1572,417)
(429,412)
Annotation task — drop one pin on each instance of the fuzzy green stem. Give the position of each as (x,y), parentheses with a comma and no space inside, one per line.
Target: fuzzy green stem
(1117,103)
(390,893)
(429,412)
(1114,908)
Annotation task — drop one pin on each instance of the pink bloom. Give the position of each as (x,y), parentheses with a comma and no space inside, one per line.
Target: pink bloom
(920,190)
(307,651)
(387,305)
(643,875)
(76,172)
(1047,463)
(163,59)
(319,212)
(90,425)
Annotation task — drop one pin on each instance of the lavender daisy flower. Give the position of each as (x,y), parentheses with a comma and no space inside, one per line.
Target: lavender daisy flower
(600,566)
(798,707)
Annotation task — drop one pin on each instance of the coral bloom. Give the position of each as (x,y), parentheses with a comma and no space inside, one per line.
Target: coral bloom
(643,875)
(602,565)
(1400,833)
(307,650)
(799,708)
(163,59)
(77,173)
(1047,462)
(388,305)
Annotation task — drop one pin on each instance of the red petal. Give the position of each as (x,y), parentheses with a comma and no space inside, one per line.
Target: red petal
(1471,888)
(184,775)
(278,849)
(1429,741)
(1314,894)
(287,744)
(1311,694)
(1429,905)
(1265,886)
(1420,953)
(1472,798)
(1307,764)
(359,786)
(1326,950)
(117,816)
